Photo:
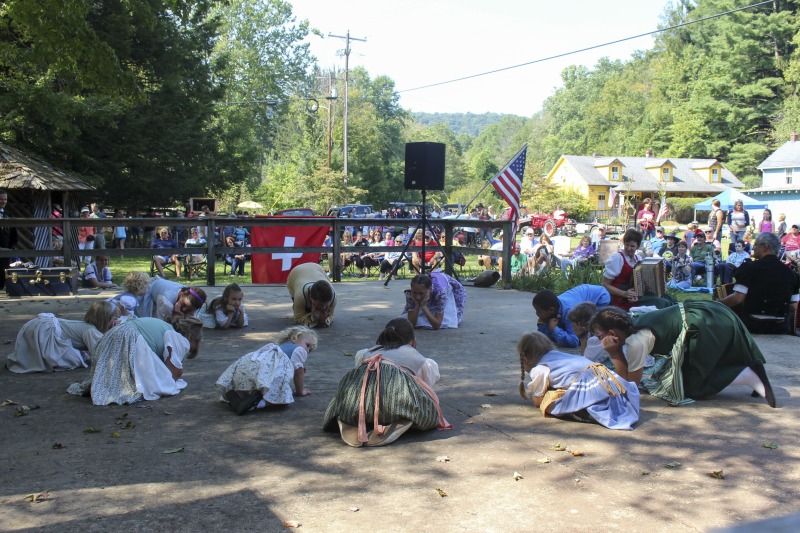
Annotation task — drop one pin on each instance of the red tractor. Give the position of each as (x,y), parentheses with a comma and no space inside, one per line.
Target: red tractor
(556,223)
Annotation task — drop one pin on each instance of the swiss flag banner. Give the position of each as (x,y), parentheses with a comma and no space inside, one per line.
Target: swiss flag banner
(274,268)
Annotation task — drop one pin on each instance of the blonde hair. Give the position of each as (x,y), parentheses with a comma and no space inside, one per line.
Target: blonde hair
(101,315)
(295,333)
(136,282)
(531,347)
(190,327)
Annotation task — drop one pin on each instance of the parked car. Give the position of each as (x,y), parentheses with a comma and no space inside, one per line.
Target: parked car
(296,212)
(358,210)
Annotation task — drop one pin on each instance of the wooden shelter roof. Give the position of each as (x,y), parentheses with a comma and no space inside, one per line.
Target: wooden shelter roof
(21,171)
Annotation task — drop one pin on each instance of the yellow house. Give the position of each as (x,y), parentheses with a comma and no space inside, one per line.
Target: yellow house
(602,179)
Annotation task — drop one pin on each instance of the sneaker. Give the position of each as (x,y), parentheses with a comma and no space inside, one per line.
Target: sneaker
(243,401)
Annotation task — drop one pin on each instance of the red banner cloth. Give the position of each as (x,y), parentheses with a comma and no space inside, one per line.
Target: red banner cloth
(275,268)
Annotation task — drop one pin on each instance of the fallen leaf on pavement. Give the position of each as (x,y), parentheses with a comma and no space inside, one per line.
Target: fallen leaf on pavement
(673,464)
(291,523)
(577,454)
(349,354)
(517,476)
(558,447)
(174,450)
(442,493)
(469,421)
(115,435)
(770,445)
(38,497)
(122,416)
(167,412)
(8,402)
(645,472)
(58,446)
(490,394)
(543,461)
(91,430)
(486,405)
(354,509)
(129,425)
(716,474)
(442,458)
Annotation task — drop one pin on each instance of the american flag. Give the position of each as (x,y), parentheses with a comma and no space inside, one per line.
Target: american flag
(508,183)
(663,211)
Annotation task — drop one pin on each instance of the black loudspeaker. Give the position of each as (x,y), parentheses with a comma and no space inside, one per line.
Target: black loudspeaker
(425,166)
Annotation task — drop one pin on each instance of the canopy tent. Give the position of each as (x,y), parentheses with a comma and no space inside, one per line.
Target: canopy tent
(727,198)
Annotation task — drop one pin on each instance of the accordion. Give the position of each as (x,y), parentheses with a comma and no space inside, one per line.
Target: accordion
(649,277)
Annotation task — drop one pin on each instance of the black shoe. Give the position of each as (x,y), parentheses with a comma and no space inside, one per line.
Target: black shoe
(242,401)
(761,372)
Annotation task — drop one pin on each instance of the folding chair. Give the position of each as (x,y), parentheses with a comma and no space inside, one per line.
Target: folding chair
(195,265)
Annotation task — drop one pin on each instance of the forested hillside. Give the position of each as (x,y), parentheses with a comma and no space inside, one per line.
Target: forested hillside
(467,123)
(171,99)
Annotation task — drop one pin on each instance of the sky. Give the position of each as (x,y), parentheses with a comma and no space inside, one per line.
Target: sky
(420,42)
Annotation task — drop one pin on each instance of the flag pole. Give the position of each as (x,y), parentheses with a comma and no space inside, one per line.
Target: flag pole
(493,177)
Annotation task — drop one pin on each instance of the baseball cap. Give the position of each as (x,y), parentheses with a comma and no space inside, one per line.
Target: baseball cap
(529,231)
(661,229)
(85,209)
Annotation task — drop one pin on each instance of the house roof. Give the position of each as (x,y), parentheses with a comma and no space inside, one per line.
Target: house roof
(634,169)
(787,156)
(21,171)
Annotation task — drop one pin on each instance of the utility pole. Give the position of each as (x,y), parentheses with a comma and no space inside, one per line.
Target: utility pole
(330,98)
(347,39)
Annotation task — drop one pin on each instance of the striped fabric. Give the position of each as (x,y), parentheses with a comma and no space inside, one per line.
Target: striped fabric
(669,385)
(401,397)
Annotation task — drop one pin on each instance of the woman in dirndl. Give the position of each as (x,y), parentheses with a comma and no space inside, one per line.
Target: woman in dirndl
(435,301)
(573,387)
(141,359)
(389,392)
(701,347)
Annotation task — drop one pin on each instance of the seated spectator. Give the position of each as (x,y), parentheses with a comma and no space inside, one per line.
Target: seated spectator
(432,257)
(735,260)
(165,241)
(791,244)
(528,243)
(659,240)
(488,262)
(543,255)
(681,269)
(669,250)
(392,258)
(691,232)
(581,255)
(600,235)
(700,250)
(98,276)
(518,262)
(236,261)
(764,288)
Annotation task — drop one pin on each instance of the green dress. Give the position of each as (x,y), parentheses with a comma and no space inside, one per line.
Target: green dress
(706,341)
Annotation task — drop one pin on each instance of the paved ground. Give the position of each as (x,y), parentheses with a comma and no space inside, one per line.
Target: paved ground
(254,472)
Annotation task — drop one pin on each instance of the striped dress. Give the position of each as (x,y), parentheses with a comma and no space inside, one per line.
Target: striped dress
(402,373)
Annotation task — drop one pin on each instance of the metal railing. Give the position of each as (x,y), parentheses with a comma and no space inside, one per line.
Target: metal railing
(69,229)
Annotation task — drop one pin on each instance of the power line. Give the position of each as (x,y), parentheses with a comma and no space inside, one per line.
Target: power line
(654,32)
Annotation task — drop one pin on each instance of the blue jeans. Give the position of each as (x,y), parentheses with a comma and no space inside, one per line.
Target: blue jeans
(737,236)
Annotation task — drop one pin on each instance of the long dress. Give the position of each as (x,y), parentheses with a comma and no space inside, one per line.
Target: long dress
(610,400)
(129,363)
(270,370)
(47,343)
(448,296)
(160,295)
(706,345)
(406,381)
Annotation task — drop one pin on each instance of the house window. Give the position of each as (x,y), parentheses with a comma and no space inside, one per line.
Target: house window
(665,174)
(601,201)
(614,173)
(714,174)
(789,176)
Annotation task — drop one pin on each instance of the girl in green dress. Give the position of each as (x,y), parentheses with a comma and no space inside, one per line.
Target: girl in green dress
(706,345)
